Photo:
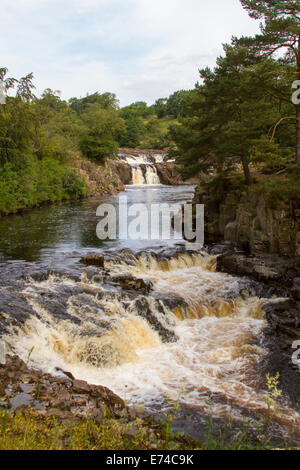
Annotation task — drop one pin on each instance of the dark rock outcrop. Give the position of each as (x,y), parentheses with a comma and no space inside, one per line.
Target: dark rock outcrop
(167,174)
(123,170)
(63,397)
(131,283)
(281,273)
(284,321)
(249,221)
(94,260)
(141,306)
(99,179)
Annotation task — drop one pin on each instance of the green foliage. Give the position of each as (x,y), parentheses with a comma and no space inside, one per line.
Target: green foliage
(280,33)
(274,392)
(102,127)
(173,106)
(133,133)
(27,431)
(250,435)
(175,103)
(36,137)
(270,154)
(161,107)
(281,190)
(236,109)
(148,126)
(138,109)
(35,182)
(156,134)
(105,101)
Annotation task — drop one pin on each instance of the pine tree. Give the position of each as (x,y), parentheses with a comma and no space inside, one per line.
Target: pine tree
(280,31)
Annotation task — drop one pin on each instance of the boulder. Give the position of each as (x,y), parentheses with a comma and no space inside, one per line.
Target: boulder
(128,282)
(259,267)
(80,386)
(93,260)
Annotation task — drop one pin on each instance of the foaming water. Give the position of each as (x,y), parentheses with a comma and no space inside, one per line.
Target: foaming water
(205,349)
(192,277)
(143,168)
(145,174)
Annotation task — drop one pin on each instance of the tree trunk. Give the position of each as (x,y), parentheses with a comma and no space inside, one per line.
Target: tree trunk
(298,134)
(246,169)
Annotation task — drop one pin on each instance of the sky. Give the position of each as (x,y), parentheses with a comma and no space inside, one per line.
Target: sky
(139,49)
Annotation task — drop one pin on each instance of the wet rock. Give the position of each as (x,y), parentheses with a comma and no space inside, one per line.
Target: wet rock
(93,260)
(54,396)
(67,374)
(132,413)
(142,307)
(14,310)
(97,415)
(20,399)
(260,267)
(296,288)
(99,179)
(80,386)
(128,282)
(284,321)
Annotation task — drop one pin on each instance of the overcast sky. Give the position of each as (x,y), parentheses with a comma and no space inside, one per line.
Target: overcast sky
(138,49)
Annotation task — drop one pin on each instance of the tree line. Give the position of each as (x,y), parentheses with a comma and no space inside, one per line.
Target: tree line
(241,113)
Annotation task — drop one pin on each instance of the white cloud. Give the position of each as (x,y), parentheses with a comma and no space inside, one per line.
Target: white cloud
(139,49)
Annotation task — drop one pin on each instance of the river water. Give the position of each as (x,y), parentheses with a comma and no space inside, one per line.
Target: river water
(197,338)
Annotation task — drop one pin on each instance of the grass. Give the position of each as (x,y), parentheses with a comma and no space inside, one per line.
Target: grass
(28,431)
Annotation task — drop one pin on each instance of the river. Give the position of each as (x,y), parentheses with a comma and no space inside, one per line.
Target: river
(197,338)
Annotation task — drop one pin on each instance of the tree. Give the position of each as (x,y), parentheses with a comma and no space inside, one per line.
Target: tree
(175,103)
(161,107)
(15,118)
(133,133)
(225,117)
(280,30)
(55,126)
(105,100)
(103,126)
(156,136)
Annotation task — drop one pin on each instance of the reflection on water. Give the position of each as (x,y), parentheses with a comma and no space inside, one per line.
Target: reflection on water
(45,231)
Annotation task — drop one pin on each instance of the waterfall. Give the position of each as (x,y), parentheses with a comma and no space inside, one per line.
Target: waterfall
(151,175)
(143,168)
(144,347)
(137,175)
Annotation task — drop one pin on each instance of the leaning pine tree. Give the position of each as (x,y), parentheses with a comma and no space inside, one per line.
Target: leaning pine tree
(280,30)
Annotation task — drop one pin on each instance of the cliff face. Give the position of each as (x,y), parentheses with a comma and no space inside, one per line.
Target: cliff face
(169,175)
(122,170)
(252,224)
(99,179)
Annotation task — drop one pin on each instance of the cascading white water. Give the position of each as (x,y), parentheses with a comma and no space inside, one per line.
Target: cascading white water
(151,175)
(108,341)
(143,168)
(137,175)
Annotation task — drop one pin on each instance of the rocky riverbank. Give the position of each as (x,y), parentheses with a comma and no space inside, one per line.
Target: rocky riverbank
(99,179)
(250,221)
(66,413)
